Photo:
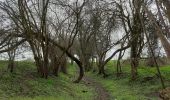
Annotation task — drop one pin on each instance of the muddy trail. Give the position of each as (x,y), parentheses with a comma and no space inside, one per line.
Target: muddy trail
(102,93)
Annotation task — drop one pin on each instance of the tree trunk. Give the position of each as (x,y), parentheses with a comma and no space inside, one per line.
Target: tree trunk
(134,65)
(167,5)
(119,69)
(165,43)
(63,65)
(81,72)
(11,65)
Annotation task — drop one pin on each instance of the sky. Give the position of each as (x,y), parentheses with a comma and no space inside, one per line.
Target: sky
(29,55)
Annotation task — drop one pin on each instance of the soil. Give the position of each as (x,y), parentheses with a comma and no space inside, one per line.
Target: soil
(102,93)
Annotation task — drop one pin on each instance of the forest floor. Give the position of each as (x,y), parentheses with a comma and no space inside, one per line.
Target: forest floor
(25,84)
(102,93)
(146,87)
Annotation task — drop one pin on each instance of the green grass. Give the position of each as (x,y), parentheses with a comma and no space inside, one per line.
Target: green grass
(122,88)
(25,84)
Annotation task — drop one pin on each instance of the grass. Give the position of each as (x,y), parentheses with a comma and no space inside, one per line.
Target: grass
(25,84)
(122,88)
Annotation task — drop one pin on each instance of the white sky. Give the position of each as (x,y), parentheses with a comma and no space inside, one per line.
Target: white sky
(28,55)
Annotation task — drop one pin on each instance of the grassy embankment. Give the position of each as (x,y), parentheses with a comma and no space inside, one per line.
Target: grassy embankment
(122,88)
(25,84)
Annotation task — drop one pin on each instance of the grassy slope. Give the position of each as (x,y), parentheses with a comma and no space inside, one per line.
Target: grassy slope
(25,84)
(123,89)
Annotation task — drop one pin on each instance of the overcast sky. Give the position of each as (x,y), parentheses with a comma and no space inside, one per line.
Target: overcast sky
(117,35)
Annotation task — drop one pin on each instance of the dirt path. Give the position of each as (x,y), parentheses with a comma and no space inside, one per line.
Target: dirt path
(102,94)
